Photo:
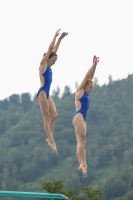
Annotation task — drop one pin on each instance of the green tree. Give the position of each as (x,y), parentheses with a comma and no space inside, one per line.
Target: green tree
(14,99)
(56,94)
(92,193)
(67,91)
(26,101)
(28,159)
(57,187)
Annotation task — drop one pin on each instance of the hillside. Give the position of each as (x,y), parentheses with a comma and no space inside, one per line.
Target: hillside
(26,160)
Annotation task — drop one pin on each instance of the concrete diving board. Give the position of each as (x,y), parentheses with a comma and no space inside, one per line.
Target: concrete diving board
(32,195)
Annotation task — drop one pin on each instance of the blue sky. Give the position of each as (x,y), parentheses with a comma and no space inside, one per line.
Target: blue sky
(96,27)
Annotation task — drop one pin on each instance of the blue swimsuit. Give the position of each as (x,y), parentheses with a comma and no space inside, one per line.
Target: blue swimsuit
(85,102)
(48,80)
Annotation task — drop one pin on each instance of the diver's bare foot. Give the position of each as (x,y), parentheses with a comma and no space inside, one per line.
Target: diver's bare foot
(83,169)
(47,140)
(52,145)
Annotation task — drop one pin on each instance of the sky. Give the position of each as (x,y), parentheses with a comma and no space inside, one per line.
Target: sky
(95,27)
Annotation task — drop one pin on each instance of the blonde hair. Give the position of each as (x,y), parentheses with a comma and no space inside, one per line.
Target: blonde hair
(52,54)
(89,80)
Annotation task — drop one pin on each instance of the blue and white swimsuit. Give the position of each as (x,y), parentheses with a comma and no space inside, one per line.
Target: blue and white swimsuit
(47,82)
(85,102)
